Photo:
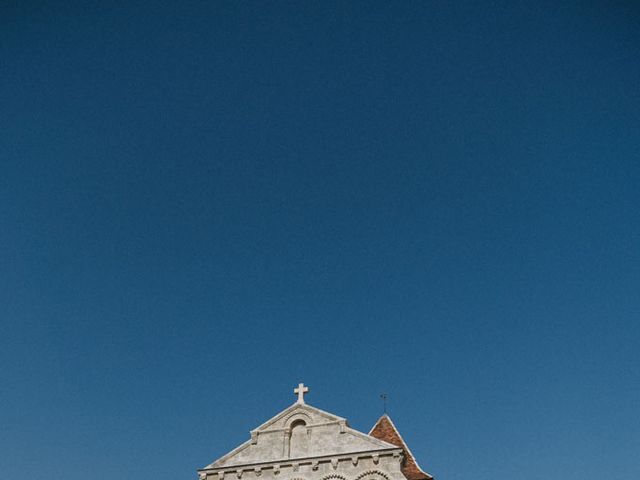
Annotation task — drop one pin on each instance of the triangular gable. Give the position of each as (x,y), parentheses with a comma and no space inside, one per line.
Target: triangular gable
(326,434)
(384,429)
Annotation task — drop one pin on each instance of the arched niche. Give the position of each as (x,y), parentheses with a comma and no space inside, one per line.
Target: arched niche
(298,438)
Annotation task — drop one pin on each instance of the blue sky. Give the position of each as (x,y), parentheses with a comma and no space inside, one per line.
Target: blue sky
(204,203)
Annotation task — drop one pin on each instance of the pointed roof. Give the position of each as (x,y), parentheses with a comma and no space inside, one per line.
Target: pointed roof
(385,430)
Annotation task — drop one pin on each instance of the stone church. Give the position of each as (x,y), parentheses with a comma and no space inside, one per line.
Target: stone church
(305,443)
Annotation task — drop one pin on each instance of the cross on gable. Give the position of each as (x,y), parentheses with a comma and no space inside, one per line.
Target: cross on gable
(300,391)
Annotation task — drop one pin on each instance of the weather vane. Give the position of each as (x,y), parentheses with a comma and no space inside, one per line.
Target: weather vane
(383,396)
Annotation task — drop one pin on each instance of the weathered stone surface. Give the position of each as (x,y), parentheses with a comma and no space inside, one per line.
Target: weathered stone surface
(306,443)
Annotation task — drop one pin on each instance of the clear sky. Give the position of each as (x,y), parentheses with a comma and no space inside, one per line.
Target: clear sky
(204,203)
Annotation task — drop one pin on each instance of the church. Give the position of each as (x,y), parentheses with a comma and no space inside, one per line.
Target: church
(305,443)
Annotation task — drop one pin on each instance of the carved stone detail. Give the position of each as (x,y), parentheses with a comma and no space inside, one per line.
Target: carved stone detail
(374,473)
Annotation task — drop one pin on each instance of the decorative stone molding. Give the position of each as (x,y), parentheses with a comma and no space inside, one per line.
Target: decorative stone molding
(257,471)
(254,437)
(295,466)
(334,463)
(297,416)
(221,475)
(335,476)
(314,465)
(375,473)
(376,458)
(239,473)
(276,469)
(354,460)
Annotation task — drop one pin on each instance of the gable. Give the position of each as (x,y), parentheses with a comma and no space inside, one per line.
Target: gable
(300,431)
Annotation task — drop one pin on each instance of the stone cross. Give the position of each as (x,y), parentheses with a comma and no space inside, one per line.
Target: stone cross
(300,391)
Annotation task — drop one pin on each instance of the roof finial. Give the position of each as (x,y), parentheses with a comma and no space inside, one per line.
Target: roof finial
(300,391)
(383,396)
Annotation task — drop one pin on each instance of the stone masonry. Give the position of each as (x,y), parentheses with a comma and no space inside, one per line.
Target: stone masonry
(305,443)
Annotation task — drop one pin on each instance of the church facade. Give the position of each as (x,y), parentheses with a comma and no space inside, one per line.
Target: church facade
(305,443)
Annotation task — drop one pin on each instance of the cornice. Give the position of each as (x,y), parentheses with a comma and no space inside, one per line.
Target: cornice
(288,462)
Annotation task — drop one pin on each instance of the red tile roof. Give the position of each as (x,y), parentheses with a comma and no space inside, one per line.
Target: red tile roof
(384,429)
